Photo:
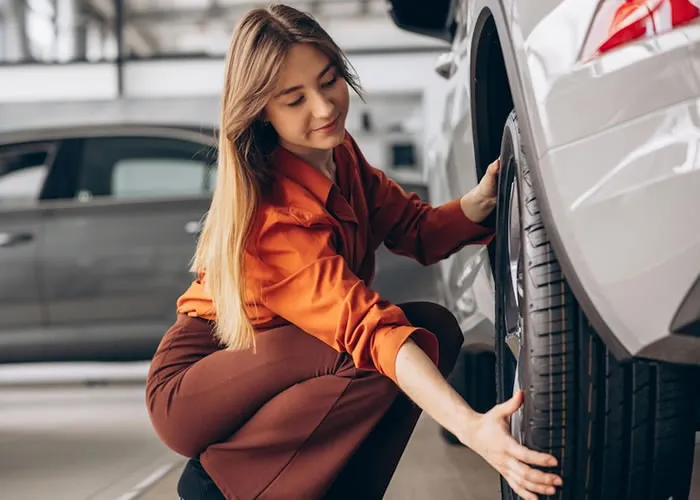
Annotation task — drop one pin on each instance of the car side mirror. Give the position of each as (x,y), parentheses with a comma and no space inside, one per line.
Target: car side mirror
(431,19)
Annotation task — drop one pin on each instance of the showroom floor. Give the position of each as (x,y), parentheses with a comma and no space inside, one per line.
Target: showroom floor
(430,469)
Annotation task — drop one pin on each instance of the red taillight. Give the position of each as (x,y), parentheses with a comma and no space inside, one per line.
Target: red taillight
(635,19)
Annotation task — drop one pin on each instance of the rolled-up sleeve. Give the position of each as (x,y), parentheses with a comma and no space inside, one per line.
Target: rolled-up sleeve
(311,286)
(411,227)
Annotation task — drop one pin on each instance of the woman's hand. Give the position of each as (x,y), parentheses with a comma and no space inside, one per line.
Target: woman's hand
(478,203)
(490,437)
(488,186)
(488,434)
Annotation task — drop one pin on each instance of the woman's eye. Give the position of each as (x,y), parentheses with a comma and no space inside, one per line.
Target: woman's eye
(296,102)
(324,85)
(330,82)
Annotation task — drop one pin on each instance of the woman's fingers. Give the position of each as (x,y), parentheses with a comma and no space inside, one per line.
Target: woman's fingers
(529,456)
(527,481)
(511,459)
(507,408)
(522,486)
(533,475)
(543,489)
(522,493)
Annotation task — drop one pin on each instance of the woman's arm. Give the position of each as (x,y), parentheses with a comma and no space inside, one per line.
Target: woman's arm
(411,227)
(301,278)
(487,434)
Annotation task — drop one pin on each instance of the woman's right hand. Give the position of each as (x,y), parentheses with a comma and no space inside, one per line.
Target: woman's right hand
(489,436)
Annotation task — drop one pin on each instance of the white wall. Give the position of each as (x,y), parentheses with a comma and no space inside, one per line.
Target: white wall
(48,82)
(400,74)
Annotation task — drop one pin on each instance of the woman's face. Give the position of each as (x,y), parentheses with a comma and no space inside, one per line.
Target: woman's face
(309,106)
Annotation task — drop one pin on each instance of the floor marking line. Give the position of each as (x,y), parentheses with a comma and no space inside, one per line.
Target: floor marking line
(147,482)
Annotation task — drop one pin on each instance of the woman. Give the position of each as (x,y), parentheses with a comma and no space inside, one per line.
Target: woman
(285,376)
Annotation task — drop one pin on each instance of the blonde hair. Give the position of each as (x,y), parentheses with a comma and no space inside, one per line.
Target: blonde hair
(256,54)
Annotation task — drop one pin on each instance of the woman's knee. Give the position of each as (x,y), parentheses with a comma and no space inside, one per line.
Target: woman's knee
(176,432)
(443,324)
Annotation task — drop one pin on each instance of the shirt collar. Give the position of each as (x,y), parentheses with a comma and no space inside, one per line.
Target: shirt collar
(301,172)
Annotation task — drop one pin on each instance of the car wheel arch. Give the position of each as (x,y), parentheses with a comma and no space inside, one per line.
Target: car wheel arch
(491,21)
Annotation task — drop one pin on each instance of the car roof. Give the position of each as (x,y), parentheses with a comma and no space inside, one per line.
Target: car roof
(196,114)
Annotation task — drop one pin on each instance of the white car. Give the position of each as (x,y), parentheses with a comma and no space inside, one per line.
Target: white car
(590,293)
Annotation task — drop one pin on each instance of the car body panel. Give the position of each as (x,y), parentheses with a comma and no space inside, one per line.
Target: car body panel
(613,140)
(21,301)
(22,304)
(631,223)
(114,265)
(618,165)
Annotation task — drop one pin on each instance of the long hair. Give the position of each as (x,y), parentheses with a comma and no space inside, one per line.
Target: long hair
(255,56)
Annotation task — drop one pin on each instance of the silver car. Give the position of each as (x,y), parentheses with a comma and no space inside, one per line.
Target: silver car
(590,294)
(100,208)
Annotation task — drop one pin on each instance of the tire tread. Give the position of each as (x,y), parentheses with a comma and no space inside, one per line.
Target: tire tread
(619,431)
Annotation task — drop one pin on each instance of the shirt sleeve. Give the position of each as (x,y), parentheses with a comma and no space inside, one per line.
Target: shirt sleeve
(311,286)
(410,227)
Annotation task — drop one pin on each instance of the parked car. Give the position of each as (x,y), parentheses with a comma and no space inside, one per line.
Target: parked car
(100,208)
(590,293)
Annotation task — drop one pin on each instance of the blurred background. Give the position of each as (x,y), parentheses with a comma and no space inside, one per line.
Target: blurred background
(107,116)
(155,49)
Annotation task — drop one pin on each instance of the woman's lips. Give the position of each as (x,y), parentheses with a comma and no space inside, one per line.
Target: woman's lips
(330,127)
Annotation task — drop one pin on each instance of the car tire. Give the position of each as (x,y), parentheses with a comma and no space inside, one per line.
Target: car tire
(618,431)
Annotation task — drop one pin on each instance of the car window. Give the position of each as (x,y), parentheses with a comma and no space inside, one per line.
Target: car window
(144,177)
(23,171)
(144,167)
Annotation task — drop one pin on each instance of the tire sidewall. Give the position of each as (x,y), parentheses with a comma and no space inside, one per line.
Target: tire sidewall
(504,359)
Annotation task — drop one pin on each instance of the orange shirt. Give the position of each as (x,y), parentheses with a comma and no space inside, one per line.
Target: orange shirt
(311,260)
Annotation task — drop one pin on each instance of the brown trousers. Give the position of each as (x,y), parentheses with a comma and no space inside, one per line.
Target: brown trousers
(294,421)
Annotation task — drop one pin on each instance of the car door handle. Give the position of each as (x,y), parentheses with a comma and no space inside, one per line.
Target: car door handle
(13,239)
(193,227)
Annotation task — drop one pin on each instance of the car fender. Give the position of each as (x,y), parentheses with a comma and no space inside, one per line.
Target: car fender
(533,131)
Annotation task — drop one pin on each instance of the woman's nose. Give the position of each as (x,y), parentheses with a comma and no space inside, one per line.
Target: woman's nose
(322,106)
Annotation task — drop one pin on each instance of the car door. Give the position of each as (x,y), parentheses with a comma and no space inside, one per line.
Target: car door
(120,245)
(23,169)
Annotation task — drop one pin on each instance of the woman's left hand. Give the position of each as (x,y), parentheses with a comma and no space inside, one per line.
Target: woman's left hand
(487,189)
(478,203)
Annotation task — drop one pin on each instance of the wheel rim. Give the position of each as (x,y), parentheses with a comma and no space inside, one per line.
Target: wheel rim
(515,293)
(515,296)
